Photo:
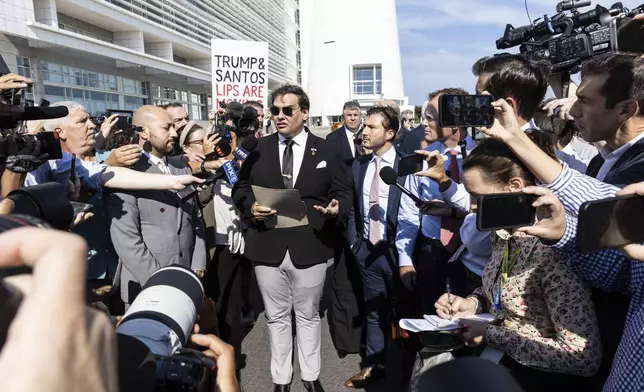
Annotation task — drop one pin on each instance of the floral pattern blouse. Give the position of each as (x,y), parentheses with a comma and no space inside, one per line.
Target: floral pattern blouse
(549,319)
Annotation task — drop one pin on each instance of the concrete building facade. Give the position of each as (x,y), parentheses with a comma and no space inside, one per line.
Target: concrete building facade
(121,54)
(351,52)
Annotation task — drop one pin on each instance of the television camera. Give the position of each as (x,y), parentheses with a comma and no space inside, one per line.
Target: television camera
(565,40)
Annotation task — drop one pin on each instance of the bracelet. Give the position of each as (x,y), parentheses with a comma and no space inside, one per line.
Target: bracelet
(203,170)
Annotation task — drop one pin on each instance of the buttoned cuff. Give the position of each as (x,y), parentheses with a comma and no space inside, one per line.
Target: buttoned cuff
(404,261)
(567,242)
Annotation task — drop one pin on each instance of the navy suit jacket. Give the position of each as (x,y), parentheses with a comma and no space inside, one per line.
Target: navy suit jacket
(408,141)
(339,140)
(355,230)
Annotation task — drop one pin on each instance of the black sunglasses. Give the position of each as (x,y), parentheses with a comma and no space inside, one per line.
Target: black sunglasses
(287,110)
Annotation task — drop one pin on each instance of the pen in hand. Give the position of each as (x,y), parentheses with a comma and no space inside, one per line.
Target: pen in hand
(449,296)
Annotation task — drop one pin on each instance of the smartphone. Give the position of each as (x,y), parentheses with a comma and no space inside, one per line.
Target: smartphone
(50,145)
(610,223)
(80,207)
(124,120)
(410,164)
(465,111)
(627,35)
(505,211)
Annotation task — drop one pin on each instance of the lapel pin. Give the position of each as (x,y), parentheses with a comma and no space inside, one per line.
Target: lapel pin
(313,151)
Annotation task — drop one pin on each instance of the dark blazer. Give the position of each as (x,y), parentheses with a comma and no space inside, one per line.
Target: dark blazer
(339,140)
(611,308)
(152,229)
(307,245)
(407,142)
(355,229)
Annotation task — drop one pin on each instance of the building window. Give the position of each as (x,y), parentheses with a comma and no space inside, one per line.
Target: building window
(367,80)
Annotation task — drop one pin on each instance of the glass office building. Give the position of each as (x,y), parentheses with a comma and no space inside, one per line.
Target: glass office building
(121,54)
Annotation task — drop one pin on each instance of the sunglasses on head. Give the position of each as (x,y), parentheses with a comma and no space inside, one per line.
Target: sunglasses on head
(287,110)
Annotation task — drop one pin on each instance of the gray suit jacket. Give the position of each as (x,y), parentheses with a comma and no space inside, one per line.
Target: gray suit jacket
(151,229)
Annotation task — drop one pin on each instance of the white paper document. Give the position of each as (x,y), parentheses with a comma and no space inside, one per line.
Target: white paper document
(435,323)
(291,210)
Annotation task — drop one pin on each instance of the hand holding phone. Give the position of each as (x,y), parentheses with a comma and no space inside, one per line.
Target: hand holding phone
(456,111)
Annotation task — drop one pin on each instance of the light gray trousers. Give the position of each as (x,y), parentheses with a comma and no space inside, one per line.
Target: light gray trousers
(285,288)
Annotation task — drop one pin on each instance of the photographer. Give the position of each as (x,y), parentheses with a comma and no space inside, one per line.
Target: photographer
(81,351)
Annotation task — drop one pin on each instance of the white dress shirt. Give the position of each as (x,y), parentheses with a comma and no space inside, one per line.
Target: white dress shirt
(387,160)
(351,137)
(610,157)
(299,144)
(161,163)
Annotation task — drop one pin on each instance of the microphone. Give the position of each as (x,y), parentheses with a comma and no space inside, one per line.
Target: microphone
(30,113)
(390,177)
(228,169)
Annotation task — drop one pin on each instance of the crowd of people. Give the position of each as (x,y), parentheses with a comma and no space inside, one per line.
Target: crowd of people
(562,319)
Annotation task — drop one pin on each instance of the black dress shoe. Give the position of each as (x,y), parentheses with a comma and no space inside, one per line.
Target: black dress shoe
(342,354)
(313,386)
(281,388)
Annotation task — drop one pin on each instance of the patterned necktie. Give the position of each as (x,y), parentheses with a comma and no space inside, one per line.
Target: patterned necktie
(287,164)
(450,227)
(374,206)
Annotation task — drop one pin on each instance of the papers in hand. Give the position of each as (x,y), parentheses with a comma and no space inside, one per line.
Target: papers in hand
(291,210)
(435,323)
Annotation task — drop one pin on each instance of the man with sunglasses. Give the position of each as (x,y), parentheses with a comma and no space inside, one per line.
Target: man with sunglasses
(291,263)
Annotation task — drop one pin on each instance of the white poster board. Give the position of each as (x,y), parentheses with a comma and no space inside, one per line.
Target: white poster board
(239,71)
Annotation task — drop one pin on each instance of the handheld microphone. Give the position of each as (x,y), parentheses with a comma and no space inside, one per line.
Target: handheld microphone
(228,169)
(30,113)
(390,177)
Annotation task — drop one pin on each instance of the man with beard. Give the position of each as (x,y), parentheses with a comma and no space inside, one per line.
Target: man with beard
(154,229)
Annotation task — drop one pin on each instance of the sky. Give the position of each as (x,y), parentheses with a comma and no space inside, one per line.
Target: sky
(441,39)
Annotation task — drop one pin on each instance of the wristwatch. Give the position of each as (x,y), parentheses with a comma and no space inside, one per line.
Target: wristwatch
(200,273)
(203,170)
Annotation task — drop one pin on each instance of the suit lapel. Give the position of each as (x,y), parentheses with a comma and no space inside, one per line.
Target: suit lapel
(626,158)
(364,164)
(308,160)
(346,148)
(145,165)
(273,165)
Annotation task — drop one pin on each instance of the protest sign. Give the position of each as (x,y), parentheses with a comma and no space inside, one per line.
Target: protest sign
(239,71)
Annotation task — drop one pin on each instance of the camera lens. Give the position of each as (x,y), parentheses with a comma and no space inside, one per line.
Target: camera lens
(163,314)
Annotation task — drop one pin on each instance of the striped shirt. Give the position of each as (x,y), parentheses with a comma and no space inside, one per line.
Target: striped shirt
(607,270)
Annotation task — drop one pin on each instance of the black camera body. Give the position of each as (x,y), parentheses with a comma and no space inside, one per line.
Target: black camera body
(567,40)
(187,370)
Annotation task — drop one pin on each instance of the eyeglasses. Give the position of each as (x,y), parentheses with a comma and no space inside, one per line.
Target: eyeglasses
(287,110)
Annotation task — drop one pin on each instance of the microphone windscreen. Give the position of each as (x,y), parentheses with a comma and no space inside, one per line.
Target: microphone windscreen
(388,175)
(249,143)
(41,113)
(234,110)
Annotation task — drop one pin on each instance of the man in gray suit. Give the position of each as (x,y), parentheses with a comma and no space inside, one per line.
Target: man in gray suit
(152,229)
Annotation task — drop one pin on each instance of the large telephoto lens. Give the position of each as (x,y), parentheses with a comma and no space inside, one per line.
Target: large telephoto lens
(163,314)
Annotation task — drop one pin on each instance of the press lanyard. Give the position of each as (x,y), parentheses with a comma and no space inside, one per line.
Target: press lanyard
(507,265)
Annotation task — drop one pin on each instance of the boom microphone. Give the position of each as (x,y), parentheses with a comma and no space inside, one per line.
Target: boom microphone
(30,113)
(390,177)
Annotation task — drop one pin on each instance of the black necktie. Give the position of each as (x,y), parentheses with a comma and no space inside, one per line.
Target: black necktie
(287,164)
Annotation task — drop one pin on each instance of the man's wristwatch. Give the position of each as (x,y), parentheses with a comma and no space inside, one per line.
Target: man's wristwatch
(200,273)
(203,169)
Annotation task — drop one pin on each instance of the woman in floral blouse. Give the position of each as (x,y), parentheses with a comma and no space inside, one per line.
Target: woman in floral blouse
(547,320)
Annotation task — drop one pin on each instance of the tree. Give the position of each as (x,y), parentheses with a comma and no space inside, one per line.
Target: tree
(418,112)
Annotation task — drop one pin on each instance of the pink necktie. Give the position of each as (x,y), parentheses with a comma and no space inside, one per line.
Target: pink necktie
(450,227)
(374,206)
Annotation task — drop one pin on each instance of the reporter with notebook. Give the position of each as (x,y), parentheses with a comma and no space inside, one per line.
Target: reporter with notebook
(548,329)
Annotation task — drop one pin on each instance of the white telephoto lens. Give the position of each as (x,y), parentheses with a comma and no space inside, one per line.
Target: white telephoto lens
(163,314)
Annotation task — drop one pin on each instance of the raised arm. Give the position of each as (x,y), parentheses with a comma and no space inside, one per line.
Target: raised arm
(122,178)
(409,218)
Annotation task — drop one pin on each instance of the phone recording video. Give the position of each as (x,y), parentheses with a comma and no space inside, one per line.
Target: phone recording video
(610,223)
(410,164)
(505,211)
(465,111)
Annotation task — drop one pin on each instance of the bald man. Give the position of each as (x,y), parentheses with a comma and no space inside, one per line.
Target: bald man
(154,229)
